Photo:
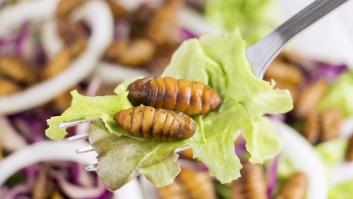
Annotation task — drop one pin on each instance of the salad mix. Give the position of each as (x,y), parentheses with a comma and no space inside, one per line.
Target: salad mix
(289,136)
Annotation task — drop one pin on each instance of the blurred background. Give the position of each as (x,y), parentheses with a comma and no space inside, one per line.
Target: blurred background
(50,47)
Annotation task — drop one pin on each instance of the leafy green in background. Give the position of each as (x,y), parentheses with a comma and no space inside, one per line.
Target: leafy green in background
(340,95)
(254,18)
(218,61)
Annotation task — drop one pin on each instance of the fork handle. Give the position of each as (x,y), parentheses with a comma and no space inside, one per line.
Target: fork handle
(273,43)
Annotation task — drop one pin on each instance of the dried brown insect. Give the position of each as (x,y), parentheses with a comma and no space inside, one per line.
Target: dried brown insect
(132,53)
(148,122)
(331,122)
(65,7)
(349,150)
(17,70)
(309,98)
(163,28)
(173,191)
(295,187)
(116,9)
(312,128)
(197,184)
(64,58)
(252,184)
(190,97)
(7,87)
(284,72)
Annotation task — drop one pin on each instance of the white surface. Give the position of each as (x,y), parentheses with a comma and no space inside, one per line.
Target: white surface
(102,35)
(9,138)
(331,39)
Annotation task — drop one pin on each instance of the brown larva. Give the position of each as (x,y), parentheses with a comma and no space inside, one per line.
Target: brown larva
(295,187)
(251,185)
(190,97)
(148,122)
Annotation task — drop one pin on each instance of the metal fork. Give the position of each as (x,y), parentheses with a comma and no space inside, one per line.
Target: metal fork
(259,55)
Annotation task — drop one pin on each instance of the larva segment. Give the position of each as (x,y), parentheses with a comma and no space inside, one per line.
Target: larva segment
(147,125)
(195,107)
(171,93)
(148,122)
(190,97)
(183,96)
(295,187)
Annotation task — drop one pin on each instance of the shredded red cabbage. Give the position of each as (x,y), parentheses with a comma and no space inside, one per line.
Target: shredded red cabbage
(22,188)
(330,72)
(23,34)
(32,124)
(240,147)
(187,34)
(272,177)
(121,29)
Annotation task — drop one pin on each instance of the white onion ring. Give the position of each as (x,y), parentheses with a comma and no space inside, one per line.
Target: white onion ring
(42,151)
(9,138)
(14,15)
(102,34)
(303,157)
(50,40)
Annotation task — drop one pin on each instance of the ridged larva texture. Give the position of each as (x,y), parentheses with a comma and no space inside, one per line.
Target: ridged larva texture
(190,97)
(148,122)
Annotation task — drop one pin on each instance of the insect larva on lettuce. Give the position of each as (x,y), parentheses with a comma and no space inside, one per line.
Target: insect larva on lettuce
(148,122)
(190,97)
(295,187)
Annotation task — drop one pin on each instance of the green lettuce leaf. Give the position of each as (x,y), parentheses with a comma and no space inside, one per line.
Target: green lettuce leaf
(341,191)
(340,95)
(332,152)
(218,61)
(254,18)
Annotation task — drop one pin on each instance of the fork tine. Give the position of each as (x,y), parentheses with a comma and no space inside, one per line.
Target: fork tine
(77,137)
(85,149)
(91,167)
(75,122)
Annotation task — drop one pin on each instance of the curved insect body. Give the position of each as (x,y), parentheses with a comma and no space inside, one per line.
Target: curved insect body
(148,122)
(251,185)
(190,97)
(295,187)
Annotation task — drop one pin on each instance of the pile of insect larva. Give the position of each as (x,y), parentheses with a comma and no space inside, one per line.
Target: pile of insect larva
(168,105)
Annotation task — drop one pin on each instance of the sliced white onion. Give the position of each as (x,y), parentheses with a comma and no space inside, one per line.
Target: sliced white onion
(9,137)
(50,40)
(195,22)
(102,34)
(342,173)
(43,151)
(14,15)
(114,73)
(303,157)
